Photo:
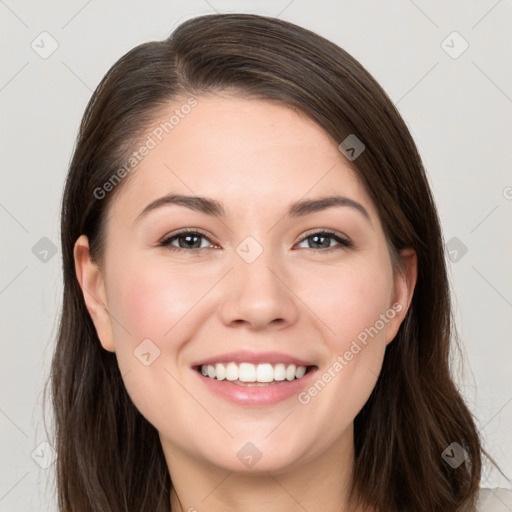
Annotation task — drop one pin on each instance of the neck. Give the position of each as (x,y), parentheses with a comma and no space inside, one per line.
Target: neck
(313,484)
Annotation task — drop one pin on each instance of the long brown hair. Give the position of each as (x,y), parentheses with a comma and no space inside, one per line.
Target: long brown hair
(109,456)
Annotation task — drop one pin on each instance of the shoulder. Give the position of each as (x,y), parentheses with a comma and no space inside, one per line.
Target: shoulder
(497,499)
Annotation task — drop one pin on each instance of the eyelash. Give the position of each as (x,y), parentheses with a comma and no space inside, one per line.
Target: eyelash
(343,242)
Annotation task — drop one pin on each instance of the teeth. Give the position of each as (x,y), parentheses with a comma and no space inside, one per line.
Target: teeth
(247,372)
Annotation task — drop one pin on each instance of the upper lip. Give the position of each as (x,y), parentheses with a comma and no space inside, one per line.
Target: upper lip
(247,356)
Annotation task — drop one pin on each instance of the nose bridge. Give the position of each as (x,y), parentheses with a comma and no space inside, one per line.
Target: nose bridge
(255,292)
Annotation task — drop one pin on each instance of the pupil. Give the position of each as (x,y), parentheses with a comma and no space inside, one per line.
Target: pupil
(188,238)
(190,243)
(326,238)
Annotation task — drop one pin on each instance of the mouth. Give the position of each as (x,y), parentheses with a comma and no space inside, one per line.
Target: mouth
(248,374)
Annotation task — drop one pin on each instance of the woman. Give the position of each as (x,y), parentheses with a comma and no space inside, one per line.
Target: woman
(256,308)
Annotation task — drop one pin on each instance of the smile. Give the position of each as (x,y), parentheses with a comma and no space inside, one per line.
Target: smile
(247,384)
(246,373)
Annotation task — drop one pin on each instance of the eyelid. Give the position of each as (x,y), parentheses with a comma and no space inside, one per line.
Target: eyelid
(183,231)
(342,240)
(166,238)
(326,231)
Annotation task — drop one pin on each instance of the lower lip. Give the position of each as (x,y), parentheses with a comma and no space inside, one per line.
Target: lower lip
(257,395)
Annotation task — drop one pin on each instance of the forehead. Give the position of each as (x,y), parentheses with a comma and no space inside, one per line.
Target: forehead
(247,153)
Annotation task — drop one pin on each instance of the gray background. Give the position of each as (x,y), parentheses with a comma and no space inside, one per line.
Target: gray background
(458,107)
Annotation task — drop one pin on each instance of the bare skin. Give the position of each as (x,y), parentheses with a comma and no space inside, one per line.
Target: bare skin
(305,297)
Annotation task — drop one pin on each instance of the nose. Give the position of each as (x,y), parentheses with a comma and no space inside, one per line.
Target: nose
(258,295)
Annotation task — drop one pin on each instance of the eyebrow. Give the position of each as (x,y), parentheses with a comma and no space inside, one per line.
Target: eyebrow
(214,208)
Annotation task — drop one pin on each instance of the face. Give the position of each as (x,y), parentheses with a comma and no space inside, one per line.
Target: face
(257,289)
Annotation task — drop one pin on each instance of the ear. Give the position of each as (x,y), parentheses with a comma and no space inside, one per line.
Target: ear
(92,284)
(405,281)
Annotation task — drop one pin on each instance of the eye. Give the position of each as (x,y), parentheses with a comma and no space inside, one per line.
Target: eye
(187,239)
(322,240)
(191,239)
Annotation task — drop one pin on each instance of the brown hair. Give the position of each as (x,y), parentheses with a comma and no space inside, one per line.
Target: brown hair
(109,456)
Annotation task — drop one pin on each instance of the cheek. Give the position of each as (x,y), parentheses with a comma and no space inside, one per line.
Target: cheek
(354,301)
(153,302)
(357,348)
(150,297)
